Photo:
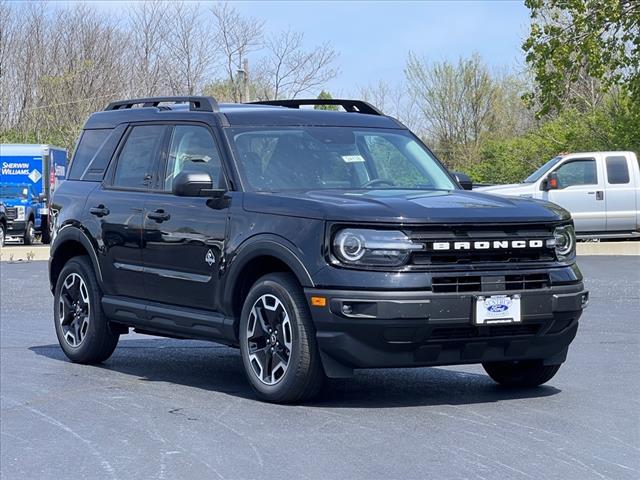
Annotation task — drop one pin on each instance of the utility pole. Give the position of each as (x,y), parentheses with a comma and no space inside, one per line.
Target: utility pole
(243,80)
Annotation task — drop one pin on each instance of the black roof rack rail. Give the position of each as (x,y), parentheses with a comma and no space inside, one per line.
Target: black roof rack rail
(198,104)
(356,106)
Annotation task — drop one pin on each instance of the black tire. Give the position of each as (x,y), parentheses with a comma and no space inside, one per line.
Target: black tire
(29,233)
(304,375)
(3,234)
(98,340)
(45,236)
(528,373)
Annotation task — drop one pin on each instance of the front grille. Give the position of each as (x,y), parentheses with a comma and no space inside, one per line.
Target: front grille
(454,333)
(11,212)
(477,233)
(462,284)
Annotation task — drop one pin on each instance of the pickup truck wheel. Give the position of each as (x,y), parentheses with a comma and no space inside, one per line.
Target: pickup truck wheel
(528,373)
(82,328)
(29,233)
(3,234)
(278,343)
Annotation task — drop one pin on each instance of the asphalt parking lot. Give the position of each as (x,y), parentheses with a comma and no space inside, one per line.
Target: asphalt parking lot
(181,409)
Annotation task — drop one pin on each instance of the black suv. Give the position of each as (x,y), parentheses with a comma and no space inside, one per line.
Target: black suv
(316,241)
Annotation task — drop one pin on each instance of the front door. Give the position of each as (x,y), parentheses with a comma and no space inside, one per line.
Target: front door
(184,236)
(116,207)
(581,191)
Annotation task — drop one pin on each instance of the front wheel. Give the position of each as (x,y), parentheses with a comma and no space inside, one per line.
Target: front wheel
(527,373)
(81,326)
(3,233)
(29,233)
(277,341)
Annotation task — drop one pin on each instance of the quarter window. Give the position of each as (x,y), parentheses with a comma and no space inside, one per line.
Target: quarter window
(88,146)
(577,172)
(192,149)
(617,170)
(136,162)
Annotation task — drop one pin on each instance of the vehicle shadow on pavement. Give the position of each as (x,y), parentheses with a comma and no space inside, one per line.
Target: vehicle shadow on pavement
(218,368)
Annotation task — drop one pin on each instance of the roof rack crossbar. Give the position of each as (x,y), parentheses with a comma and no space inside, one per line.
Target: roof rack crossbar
(198,104)
(355,106)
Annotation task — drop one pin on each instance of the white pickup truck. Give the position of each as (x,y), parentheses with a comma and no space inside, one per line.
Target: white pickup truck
(600,189)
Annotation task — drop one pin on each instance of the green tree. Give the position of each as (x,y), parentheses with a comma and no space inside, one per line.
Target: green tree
(569,39)
(324,95)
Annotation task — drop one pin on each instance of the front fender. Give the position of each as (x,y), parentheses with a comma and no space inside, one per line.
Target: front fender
(73,233)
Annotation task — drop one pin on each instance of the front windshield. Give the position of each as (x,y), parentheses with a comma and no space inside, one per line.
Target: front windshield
(14,191)
(535,176)
(310,158)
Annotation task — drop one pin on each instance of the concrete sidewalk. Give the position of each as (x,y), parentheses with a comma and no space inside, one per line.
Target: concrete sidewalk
(21,253)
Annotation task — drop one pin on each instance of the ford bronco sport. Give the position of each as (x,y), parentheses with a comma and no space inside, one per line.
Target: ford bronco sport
(316,241)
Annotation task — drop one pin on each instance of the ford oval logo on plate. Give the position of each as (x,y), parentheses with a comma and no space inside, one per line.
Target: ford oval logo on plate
(497,308)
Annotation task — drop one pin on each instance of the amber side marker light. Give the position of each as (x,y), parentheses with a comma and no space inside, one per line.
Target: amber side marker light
(319,301)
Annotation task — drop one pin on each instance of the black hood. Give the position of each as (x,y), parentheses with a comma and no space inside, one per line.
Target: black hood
(405,206)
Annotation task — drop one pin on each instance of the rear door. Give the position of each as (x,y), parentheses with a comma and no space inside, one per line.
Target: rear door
(117,207)
(581,191)
(184,236)
(620,194)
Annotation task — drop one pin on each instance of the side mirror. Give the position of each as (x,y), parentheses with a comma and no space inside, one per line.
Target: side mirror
(463,180)
(195,184)
(550,183)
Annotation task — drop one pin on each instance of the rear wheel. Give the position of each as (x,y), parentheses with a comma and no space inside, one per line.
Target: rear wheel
(277,341)
(82,328)
(527,373)
(29,233)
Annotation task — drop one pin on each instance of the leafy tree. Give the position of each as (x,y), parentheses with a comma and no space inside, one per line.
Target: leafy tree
(324,95)
(571,38)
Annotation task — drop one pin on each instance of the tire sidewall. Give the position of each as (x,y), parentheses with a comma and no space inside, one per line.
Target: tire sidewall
(79,265)
(29,234)
(272,287)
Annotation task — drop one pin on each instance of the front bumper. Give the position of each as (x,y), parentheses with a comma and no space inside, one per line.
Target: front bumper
(360,329)
(16,227)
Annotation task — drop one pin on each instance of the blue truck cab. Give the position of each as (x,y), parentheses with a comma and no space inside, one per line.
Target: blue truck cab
(29,174)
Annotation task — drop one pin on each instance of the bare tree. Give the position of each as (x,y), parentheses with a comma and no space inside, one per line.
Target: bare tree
(236,37)
(456,101)
(148,22)
(190,55)
(289,70)
(394,100)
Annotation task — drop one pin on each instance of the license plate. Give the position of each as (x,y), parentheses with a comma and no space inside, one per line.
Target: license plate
(497,309)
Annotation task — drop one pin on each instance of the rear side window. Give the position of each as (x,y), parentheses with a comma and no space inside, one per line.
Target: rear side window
(88,146)
(617,170)
(137,159)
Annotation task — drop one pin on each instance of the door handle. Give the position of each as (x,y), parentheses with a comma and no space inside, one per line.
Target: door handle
(159,216)
(99,211)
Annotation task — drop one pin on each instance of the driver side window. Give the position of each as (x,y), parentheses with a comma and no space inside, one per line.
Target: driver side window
(192,148)
(577,172)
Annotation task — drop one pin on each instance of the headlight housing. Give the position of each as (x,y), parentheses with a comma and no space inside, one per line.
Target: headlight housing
(367,247)
(20,211)
(564,241)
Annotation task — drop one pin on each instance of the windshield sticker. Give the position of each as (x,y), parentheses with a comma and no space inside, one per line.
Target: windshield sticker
(352,158)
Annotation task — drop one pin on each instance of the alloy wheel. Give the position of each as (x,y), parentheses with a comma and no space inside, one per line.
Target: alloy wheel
(269,339)
(74,309)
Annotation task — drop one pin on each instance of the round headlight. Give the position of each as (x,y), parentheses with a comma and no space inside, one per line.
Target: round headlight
(351,246)
(565,240)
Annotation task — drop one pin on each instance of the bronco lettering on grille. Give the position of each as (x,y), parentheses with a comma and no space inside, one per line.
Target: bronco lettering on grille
(485,245)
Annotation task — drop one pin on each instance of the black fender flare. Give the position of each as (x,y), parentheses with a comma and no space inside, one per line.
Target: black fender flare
(264,245)
(73,233)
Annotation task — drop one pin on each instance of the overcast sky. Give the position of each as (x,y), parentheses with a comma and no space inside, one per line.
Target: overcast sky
(373,38)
